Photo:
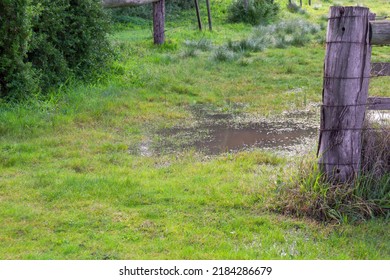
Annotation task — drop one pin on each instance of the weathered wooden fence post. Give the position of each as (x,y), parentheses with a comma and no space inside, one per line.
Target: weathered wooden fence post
(159,22)
(345,91)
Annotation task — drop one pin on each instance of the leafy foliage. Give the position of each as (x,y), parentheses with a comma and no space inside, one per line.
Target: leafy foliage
(254,12)
(45,42)
(69,38)
(16,75)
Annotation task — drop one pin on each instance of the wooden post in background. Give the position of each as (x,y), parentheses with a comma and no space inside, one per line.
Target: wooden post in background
(345,91)
(198,14)
(159,22)
(209,15)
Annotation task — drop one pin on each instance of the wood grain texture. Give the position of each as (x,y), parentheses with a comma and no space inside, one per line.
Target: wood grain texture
(380,32)
(159,22)
(379,103)
(345,89)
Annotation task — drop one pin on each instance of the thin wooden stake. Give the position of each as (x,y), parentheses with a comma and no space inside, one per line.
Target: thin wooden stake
(209,15)
(198,15)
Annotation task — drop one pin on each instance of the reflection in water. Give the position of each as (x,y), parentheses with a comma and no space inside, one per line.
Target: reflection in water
(217,134)
(223,139)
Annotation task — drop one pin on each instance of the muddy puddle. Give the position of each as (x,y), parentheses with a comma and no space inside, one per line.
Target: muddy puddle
(214,132)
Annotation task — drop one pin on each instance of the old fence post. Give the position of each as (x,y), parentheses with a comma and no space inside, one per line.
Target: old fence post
(345,91)
(158,22)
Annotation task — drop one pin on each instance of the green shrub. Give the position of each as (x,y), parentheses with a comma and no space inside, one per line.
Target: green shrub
(16,75)
(45,42)
(69,38)
(257,11)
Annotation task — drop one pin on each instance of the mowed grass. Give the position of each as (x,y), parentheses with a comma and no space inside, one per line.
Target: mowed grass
(71,186)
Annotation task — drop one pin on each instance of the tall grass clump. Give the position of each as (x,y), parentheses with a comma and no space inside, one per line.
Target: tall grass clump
(285,33)
(194,47)
(309,194)
(245,45)
(297,32)
(253,11)
(223,54)
(202,45)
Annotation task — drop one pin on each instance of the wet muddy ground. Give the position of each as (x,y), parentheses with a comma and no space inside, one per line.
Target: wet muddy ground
(214,132)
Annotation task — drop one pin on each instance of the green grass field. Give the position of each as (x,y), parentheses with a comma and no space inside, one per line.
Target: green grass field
(71,187)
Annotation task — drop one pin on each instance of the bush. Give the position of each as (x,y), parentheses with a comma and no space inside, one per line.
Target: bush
(256,12)
(69,38)
(45,42)
(16,75)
